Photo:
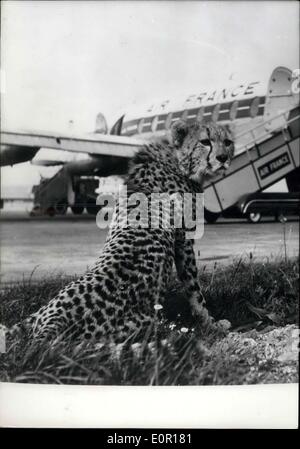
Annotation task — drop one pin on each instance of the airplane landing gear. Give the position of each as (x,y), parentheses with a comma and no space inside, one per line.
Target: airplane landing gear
(210,217)
(77,210)
(61,207)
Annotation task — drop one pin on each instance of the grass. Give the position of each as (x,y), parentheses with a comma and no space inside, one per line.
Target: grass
(255,297)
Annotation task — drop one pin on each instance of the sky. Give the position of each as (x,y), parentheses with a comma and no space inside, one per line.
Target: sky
(66,61)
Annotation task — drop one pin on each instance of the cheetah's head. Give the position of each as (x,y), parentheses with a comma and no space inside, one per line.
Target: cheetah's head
(204,150)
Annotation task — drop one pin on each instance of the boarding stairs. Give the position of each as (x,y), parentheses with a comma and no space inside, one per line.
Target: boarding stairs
(271,152)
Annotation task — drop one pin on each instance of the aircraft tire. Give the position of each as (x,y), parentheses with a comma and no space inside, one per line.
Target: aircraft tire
(77,210)
(92,208)
(61,208)
(50,211)
(210,217)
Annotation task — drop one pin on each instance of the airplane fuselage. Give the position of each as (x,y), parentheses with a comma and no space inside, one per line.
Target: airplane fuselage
(222,105)
(239,105)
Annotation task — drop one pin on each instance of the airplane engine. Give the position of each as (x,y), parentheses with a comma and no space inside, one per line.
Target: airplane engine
(10,154)
(98,166)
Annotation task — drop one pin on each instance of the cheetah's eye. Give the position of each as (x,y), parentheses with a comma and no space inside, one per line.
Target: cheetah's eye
(205,142)
(227,142)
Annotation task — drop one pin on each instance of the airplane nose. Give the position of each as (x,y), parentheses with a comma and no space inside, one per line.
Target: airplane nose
(222,158)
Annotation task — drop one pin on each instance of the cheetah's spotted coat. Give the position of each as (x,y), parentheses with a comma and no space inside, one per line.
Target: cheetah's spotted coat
(117,296)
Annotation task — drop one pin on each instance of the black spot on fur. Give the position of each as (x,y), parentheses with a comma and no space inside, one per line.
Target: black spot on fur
(89,304)
(134,279)
(100,278)
(109,285)
(71,292)
(128,266)
(98,289)
(79,310)
(76,301)
(67,305)
(98,315)
(145,270)
(110,311)
(101,304)
(89,319)
(123,276)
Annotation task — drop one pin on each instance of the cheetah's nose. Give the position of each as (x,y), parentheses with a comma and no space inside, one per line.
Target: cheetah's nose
(222,158)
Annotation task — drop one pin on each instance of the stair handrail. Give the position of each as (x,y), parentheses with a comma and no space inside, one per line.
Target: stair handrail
(261,138)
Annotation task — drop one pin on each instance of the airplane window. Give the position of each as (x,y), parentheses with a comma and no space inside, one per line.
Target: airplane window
(168,120)
(140,125)
(154,123)
(254,107)
(200,114)
(184,115)
(233,110)
(215,114)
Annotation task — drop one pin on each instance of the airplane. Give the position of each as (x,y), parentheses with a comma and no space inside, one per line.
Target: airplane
(254,111)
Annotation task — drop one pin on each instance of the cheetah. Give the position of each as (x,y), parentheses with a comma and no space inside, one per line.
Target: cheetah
(117,296)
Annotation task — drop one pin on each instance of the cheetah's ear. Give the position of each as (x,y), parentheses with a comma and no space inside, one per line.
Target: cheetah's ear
(228,129)
(179,131)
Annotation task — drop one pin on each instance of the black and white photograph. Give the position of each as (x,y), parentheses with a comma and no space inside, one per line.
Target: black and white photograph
(150,194)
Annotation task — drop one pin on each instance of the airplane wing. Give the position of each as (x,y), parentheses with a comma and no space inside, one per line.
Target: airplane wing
(95,144)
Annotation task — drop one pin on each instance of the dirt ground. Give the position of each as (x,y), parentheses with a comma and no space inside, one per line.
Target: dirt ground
(268,356)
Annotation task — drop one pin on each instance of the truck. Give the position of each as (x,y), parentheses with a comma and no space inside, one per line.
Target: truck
(53,196)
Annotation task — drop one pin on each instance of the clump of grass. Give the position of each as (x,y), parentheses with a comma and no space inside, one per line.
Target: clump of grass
(171,362)
(19,300)
(247,293)
(244,292)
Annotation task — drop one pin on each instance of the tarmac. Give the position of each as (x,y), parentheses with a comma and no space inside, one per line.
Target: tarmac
(37,247)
